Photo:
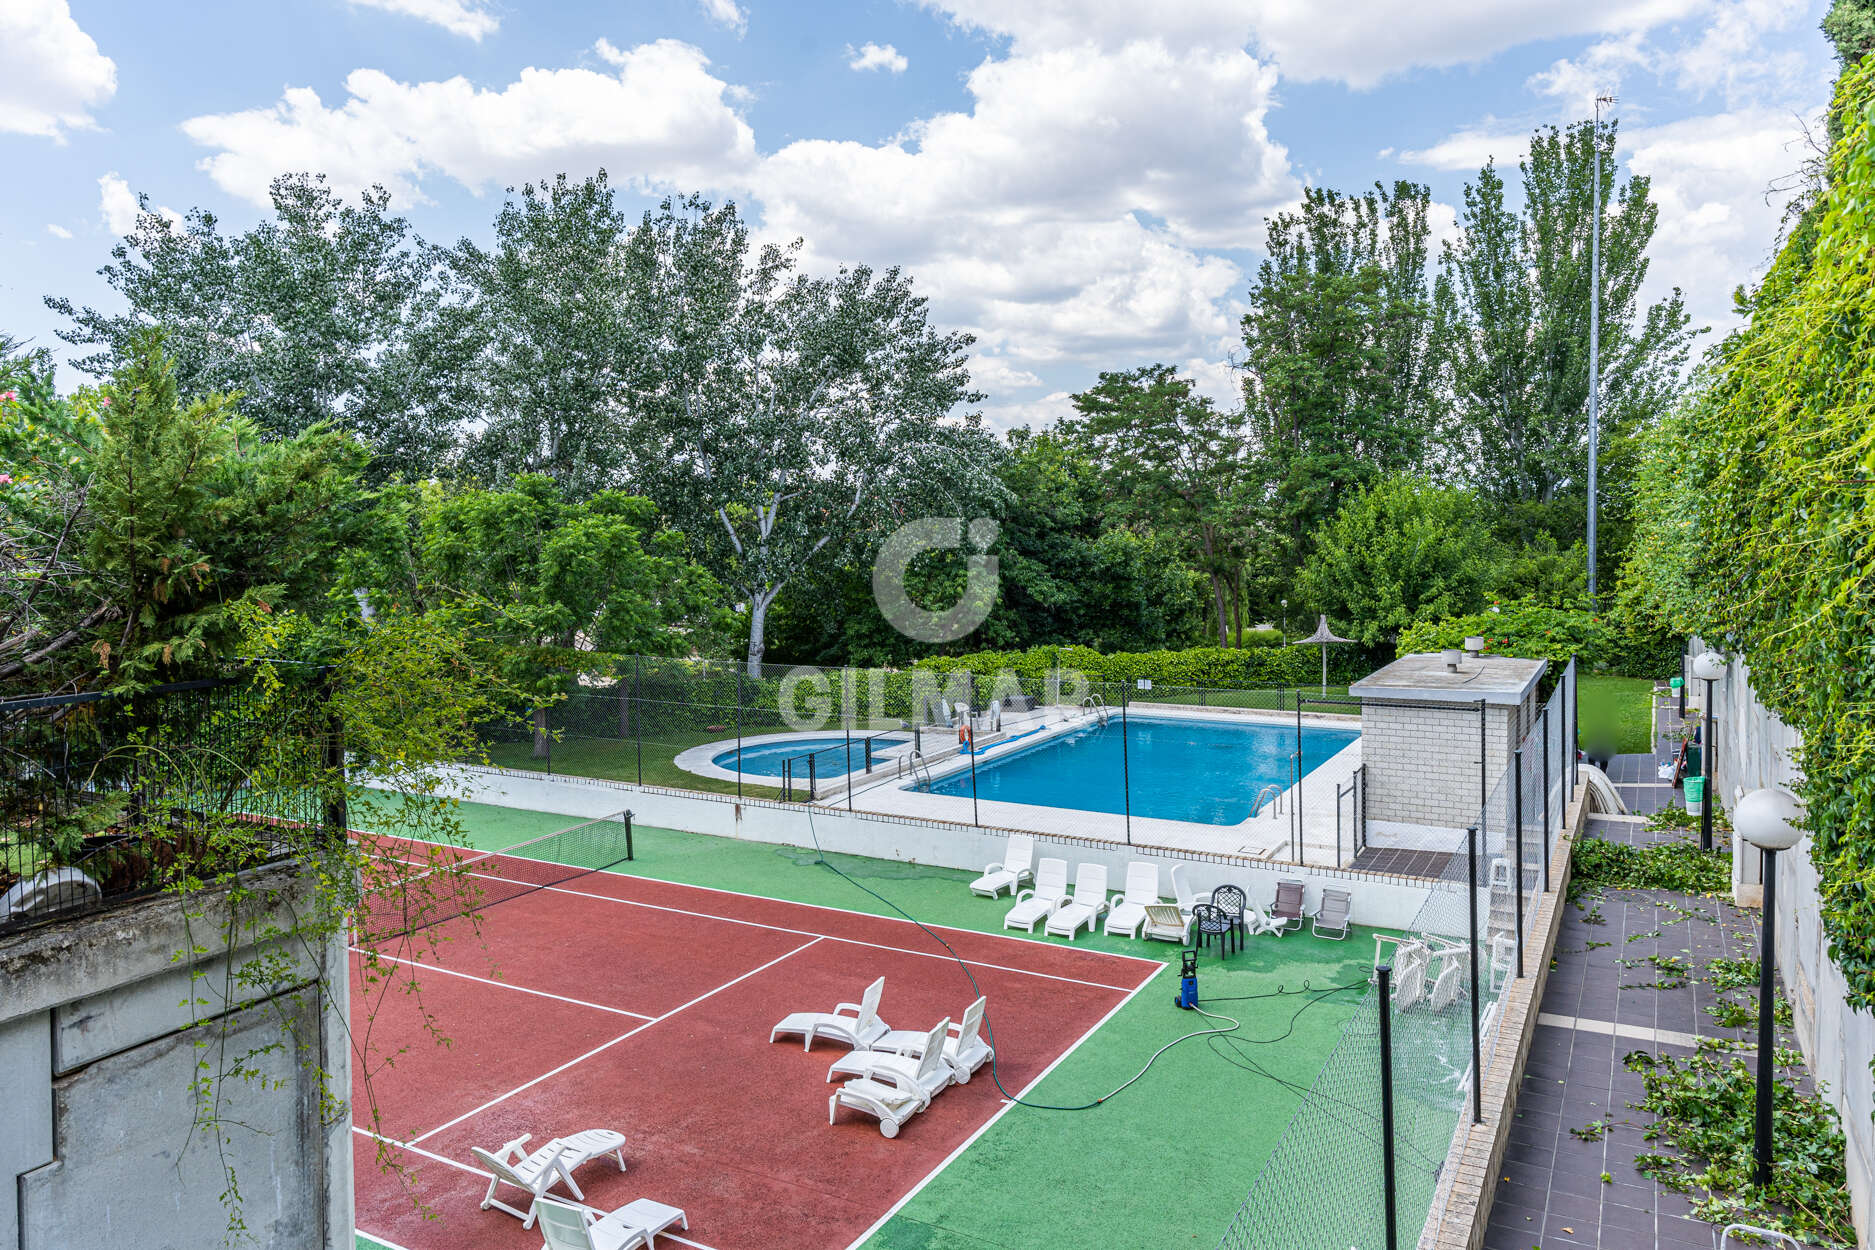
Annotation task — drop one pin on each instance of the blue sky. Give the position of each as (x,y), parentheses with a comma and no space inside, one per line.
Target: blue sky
(1081,183)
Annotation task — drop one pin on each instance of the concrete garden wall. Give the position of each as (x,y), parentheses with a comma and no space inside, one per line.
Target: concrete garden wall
(97,1113)
(1380,899)
(1755,749)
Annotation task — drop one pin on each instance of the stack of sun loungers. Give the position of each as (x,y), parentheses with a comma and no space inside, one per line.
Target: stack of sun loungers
(893,1074)
(565,1225)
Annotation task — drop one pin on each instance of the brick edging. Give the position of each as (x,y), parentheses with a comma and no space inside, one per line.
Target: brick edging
(1477,1151)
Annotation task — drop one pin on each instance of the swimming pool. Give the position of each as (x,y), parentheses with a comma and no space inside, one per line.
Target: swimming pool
(764,759)
(1204,771)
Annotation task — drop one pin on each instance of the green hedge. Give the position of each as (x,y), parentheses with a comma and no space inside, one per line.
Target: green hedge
(1536,631)
(1217,668)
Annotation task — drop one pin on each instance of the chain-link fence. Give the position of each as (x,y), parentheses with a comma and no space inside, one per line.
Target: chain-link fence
(1330,1184)
(1269,772)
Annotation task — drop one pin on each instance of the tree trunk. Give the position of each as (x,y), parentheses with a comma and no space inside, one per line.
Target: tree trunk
(1236,604)
(1223,617)
(543,745)
(758,624)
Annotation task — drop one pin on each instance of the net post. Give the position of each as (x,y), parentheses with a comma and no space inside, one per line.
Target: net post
(1516,786)
(1384,978)
(628,835)
(1477,1045)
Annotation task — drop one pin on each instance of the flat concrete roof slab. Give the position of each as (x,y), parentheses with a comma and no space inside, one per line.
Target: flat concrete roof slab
(1496,679)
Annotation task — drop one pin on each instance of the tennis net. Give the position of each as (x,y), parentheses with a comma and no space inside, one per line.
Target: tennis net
(412,897)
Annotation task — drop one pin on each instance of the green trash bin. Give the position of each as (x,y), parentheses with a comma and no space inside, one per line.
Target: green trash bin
(1695,795)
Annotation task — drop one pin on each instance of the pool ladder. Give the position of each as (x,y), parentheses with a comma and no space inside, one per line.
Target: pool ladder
(1094,705)
(1265,793)
(917,765)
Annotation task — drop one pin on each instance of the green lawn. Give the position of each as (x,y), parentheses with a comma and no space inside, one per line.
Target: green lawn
(1621,707)
(1264,700)
(1168,1160)
(621,760)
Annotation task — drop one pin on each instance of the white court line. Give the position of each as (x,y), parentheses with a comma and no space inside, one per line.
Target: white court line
(473,1171)
(1004,1110)
(844,911)
(615,1041)
(506,985)
(831,937)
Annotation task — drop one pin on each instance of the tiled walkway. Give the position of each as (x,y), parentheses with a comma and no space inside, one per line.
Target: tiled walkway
(1551,1192)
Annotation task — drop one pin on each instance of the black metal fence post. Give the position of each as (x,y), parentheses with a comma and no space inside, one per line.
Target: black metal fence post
(738,731)
(337,813)
(1575,728)
(638,714)
(1384,978)
(1301,835)
(970,713)
(1547,851)
(1126,770)
(1477,1044)
(1516,786)
(1706,745)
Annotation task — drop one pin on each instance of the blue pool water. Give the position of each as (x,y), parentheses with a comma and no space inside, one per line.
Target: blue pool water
(1197,770)
(765,759)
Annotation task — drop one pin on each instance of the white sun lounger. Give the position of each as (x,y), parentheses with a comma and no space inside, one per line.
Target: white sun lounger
(918,1071)
(634,1225)
(965,1052)
(855,1024)
(1089,901)
(537,1171)
(895,1088)
(1018,866)
(1127,912)
(1037,904)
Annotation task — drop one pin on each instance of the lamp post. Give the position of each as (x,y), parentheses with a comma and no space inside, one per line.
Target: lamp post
(1285,622)
(1708,666)
(1768,820)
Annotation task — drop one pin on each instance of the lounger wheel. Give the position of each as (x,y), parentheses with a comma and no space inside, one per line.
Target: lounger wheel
(888,1129)
(961,1077)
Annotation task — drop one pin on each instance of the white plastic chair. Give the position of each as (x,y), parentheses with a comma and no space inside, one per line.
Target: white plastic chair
(1126,913)
(634,1225)
(1086,906)
(894,1092)
(855,1024)
(1017,866)
(537,1170)
(1039,903)
(965,1052)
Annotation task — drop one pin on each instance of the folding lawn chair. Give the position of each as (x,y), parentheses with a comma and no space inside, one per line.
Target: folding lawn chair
(855,1024)
(1089,901)
(1017,867)
(1287,910)
(1333,914)
(634,1226)
(537,1171)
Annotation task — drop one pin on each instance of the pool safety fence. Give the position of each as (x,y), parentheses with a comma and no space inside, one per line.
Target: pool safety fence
(107,797)
(867,734)
(1325,1186)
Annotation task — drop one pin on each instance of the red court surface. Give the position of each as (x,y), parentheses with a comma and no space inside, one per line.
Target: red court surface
(618,1002)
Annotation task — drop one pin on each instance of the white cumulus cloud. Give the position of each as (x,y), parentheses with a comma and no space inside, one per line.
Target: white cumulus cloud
(876,56)
(51,73)
(118,206)
(468,18)
(662,118)
(725,13)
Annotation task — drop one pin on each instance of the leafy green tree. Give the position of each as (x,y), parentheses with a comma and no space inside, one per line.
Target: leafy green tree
(545,309)
(1513,322)
(1175,463)
(564,587)
(1339,366)
(144,527)
(326,312)
(1401,551)
(785,421)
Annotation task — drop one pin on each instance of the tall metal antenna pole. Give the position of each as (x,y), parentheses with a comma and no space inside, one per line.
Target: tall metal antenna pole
(1595,325)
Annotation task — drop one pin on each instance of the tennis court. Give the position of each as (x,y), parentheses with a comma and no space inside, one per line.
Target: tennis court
(619,1002)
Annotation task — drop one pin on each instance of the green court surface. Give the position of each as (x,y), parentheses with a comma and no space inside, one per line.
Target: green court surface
(1167,1161)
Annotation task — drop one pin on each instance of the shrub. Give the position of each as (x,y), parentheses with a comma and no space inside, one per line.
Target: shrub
(1214,667)
(1532,630)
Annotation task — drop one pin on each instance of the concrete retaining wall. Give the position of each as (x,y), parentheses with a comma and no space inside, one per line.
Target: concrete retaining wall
(97,1065)
(1381,900)
(1755,749)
